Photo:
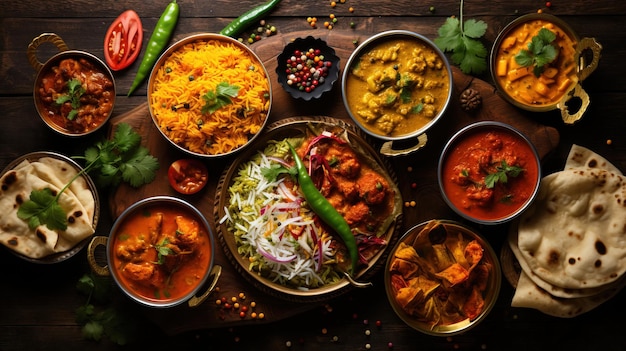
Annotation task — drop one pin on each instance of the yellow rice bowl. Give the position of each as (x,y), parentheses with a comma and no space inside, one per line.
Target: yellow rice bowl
(189,76)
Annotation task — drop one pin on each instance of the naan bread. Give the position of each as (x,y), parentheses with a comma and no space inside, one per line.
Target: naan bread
(77,201)
(571,243)
(552,289)
(574,234)
(529,295)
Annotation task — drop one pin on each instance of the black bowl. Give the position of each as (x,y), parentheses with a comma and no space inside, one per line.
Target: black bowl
(304,45)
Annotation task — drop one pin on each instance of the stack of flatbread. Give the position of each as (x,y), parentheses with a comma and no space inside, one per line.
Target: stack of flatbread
(78,202)
(571,243)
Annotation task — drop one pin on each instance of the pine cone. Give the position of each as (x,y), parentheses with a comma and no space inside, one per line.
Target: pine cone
(470,99)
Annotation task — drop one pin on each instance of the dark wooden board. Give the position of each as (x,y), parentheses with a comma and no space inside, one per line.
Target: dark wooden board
(231,283)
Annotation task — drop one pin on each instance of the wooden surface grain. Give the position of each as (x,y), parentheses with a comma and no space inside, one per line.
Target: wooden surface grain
(38,302)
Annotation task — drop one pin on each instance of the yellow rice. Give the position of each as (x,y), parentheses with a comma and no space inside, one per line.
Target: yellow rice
(210,62)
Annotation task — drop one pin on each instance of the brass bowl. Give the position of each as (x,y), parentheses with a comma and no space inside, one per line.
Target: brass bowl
(584,55)
(186,133)
(60,256)
(209,278)
(418,237)
(45,68)
(352,94)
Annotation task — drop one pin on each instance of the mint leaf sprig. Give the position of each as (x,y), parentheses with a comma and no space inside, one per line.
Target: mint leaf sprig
(502,174)
(214,100)
(462,39)
(74,91)
(111,161)
(541,52)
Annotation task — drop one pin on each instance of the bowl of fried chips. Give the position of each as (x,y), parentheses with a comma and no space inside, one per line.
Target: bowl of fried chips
(442,278)
(46,216)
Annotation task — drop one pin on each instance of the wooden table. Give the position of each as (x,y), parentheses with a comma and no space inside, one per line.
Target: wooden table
(38,302)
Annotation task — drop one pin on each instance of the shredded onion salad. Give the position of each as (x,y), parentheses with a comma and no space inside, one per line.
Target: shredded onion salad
(281,238)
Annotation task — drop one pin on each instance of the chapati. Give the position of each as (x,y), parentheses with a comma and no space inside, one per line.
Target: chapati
(77,201)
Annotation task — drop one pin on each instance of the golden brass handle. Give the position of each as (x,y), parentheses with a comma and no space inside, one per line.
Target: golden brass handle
(31,52)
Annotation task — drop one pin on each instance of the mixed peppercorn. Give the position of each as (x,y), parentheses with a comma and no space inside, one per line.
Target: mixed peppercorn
(306,70)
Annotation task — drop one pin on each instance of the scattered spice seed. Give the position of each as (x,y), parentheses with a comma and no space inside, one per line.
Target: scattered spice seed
(609,141)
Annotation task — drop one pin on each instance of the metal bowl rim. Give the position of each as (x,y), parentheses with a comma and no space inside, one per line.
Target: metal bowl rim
(483,125)
(176,46)
(138,205)
(401,33)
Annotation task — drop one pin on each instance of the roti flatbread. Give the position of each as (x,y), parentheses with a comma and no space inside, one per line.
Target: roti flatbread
(77,201)
(573,235)
(529,295)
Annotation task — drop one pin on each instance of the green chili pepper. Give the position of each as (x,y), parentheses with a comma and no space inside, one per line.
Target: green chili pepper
(325,209)
(158,41)
(242,22)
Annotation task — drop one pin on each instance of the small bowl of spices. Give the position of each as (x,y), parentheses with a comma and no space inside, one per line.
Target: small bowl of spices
(307,68)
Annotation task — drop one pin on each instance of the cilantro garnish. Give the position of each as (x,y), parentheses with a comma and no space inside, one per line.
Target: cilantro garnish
(163,250)
(98,320)
(503,171)
(74,91)
(461,38)
(541,51)
(110,162)
(214,100)
(272,172)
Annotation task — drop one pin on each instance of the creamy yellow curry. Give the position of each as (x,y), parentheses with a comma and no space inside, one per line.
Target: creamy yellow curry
(521,82)
(397,87)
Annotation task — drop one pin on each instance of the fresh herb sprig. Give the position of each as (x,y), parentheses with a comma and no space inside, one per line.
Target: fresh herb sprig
(74,91)
(541,52)
(214,100)
(502,174)
(99,320)
(462,39)
(111,161)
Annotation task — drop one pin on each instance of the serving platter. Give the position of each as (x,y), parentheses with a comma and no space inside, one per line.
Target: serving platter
(426,193)
(297,127)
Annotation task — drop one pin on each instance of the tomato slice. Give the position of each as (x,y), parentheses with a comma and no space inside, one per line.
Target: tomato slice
(187,176)
(123,40)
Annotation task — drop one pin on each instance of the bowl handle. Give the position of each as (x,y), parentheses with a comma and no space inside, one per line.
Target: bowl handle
(195,301)
(586,68)
(387,149)
(43,38)
(102,271)
(576,92)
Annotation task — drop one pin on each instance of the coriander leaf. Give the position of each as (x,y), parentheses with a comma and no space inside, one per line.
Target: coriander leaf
(93,330)
(449,33)
(474,29)
(272,172)
(84,313)
(461,38)
(140,168)
(42,208)
(85,284)
(125,138)
(75,91)
(214,100)
(503,171)
(541,52)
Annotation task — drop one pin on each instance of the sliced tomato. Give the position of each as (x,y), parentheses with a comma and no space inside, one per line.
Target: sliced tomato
(187,176)
(123,40)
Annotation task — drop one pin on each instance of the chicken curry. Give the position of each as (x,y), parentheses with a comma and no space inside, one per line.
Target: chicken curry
(397,87)
(161,253)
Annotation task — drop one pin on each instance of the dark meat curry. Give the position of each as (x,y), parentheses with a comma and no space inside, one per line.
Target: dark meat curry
(76,96)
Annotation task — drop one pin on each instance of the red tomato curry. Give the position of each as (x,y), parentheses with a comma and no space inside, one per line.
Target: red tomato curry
(161,253)
(489,175)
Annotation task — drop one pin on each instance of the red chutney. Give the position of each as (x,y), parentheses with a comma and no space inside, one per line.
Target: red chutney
(185,253)
(479,154)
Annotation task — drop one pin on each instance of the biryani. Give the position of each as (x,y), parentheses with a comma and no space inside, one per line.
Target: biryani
(210,96)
